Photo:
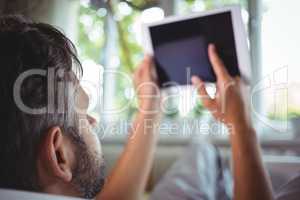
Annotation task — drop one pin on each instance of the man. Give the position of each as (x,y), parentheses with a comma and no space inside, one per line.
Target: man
(47,144)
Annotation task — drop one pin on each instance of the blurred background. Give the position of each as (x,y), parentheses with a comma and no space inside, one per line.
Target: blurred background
(108,37)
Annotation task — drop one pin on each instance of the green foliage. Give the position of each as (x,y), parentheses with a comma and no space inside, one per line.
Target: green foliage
(130,51)
(210,4)
(190,2)
(294,114)
(90,35)
(291,113)
(142,4)
(197,111)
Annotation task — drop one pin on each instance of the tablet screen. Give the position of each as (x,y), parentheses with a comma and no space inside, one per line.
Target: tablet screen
(181,48)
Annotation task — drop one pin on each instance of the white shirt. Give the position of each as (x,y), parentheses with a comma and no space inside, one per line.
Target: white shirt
(291,190)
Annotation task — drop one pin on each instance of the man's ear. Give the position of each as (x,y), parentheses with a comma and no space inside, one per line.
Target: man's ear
(55,157)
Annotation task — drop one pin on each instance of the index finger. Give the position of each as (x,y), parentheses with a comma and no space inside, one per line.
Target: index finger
(217,63)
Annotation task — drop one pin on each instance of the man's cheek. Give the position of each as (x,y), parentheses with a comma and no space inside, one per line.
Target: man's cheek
(98,144)
(94,141)
(84,126)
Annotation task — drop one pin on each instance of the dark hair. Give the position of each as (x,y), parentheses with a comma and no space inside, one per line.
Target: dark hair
(26,45)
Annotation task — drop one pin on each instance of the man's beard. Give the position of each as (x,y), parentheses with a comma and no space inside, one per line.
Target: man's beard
(89,171)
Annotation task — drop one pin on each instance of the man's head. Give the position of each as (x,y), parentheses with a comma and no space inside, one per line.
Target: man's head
(46,142)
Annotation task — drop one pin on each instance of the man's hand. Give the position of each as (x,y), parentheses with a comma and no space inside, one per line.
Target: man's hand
(250,179)
(129,177)
(228,105)
(145,81)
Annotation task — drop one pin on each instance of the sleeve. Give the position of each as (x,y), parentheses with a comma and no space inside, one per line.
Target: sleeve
(198,174)
(290,191)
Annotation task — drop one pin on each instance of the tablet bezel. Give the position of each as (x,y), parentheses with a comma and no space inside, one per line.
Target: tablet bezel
(240,35)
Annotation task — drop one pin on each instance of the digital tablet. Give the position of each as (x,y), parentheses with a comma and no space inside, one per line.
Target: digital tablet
(179,45)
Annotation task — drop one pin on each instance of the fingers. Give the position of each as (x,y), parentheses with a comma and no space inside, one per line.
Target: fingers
(217,63)
(146,71)
(199,85)
(147,63)
(207,101)
(137,72)
(143,66)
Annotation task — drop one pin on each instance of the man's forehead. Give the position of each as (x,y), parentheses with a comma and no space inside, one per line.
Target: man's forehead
(82,98)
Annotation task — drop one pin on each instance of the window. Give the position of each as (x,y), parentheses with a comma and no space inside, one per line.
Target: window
(280,67)
(110,46)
